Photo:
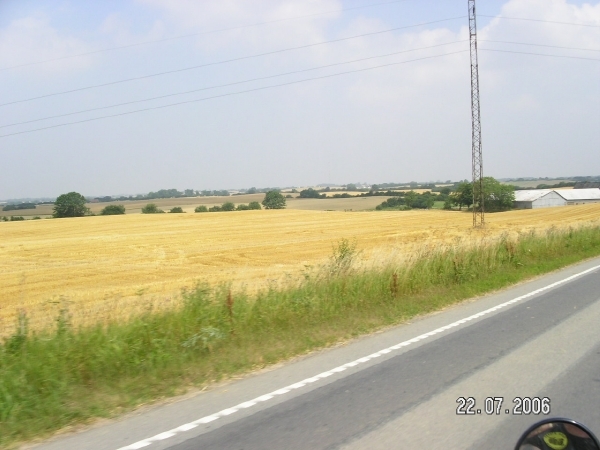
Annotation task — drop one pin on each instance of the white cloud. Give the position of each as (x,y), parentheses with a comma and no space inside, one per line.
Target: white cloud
(230,14)
(32,39)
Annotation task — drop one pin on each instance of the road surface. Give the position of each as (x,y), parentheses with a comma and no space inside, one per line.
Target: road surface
(399,388)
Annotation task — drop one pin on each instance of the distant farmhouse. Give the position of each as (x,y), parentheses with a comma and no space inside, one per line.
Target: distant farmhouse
(545,198)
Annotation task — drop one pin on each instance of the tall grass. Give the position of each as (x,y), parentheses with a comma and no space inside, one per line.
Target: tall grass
(63,376)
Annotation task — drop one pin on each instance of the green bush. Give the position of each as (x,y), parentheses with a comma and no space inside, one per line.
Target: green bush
(113,210)
(242,207)
(215,208)
(228,206)
(16,218)
(151,208)
(201,208)
(254,205)
(176,209)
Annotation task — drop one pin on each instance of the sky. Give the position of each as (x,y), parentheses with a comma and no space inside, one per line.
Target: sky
(290,93)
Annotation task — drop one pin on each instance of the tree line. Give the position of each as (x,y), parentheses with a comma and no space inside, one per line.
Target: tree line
(496,197)
(73,204)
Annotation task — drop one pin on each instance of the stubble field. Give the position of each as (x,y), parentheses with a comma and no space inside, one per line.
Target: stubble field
(109,267)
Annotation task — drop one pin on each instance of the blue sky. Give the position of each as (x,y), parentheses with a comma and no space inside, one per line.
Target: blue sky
(407,121)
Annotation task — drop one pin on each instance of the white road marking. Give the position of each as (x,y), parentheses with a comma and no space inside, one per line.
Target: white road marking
(263,398)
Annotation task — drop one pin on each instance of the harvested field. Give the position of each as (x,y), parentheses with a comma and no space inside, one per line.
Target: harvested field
(106,268)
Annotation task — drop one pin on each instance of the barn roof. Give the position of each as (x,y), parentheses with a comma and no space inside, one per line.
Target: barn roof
(580,194)
(530,195)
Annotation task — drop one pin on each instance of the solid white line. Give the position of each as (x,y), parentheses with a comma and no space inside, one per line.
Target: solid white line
(285,390)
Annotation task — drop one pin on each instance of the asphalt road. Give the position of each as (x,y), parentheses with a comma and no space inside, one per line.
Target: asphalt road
(545,343)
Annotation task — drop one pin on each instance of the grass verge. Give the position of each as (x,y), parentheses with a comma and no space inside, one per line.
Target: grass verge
(64,376)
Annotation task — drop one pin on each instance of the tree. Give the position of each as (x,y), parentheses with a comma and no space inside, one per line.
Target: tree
(410,198)
(112,210)
(463,196)
(497,196)
(70,205)
(201,208)
(151,208)
(274,200)
(310,193)
(254,205)
(228,206)
(242,207)
(176,209)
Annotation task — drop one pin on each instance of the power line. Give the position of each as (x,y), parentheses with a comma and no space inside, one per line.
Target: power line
(541,45)
(540,54)
(228,61)
(227,84)
(540,20)
(343,10)
(232,93)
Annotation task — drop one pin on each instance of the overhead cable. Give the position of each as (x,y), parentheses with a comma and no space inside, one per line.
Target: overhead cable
(539,54)
(541,45)
(234,93)
(540,20)
(229,60)
(228,84)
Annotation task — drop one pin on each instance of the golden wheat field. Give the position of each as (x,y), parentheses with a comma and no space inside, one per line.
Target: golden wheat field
(108,267)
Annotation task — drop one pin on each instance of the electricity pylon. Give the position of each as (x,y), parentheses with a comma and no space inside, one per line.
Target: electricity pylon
(477,156)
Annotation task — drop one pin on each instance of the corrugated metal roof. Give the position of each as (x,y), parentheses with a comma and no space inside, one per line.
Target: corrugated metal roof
(579,194)
(530,195)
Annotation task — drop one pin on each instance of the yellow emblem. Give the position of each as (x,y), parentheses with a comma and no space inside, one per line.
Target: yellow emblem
(556,440)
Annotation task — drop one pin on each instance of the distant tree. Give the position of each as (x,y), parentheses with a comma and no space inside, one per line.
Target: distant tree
(14,207)
(16,218)
(215,208)
(201,208)
(310,193)
(189,193)
(151,208)
(497,196)
(112,210)
(242,207)
(274,200)
(70,205)
(463,196)
(254,205)
(375,187)
(410,198)
(228,206)
(252,190)
(176,209)
(351,187)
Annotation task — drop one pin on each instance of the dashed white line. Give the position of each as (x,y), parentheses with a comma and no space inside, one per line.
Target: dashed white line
(263,398)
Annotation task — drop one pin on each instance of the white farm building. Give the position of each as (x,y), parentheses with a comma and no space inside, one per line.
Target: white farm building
(545,198)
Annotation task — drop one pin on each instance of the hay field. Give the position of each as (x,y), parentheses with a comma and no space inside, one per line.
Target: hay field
(107,267)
